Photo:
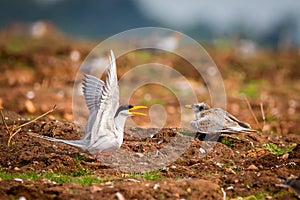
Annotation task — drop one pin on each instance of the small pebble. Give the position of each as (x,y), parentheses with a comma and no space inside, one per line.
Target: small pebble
(252,167)
(120,196)
(156,186)
(29,106)
(17,169)
(30,95)
(285,156)
(229,188)
(95,188)
(18,180)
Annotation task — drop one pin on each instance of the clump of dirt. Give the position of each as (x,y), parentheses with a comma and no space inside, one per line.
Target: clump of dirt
(243,168)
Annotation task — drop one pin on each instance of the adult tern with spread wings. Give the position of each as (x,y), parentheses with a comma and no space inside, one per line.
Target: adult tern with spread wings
(105,125)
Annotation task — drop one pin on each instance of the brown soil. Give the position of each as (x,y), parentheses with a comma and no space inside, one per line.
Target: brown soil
(241,168)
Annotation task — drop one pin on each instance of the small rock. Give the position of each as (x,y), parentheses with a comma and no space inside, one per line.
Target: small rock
(252,167)
(109,183)
(120,196)
(29,106)
(22,198)
(133,180)
(156,186)
(229,170)
(230,188)
(75,56)
(95,188)
(189,190)
(17,169)
(177,195)
(35,162)
(140,155)
(18,180)
(285,156)
(219,164)
(30,94)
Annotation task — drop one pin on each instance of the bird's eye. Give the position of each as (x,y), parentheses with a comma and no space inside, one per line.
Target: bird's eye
(130,106)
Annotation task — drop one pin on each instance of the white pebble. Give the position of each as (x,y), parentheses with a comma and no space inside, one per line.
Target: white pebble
(30,95)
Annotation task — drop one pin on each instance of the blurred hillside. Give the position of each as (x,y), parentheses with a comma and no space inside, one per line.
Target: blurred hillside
(265,23)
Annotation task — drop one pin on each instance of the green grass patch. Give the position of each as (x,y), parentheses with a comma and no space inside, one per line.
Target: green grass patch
(56,177)
(250,90)
(150,176)
(273,148)
(258,196)
(228,143)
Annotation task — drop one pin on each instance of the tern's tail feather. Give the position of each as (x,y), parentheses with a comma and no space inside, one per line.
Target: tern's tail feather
(82,144)
(240,129)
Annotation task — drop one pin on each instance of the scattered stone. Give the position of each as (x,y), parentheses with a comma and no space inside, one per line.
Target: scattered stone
(285,156)
(120,196)
(29,106)
(22,198)
(156,186)
(229,188)
(140,155)
(252,167)
(17,169)
(189,190)
(95,189)
(133,180)
(229,170)
(18,180)
(30,94)
(219,164)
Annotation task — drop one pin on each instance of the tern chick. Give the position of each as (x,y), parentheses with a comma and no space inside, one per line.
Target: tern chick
(215,120)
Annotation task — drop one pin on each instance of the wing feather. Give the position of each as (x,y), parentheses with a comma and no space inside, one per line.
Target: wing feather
(104,122)
(208,123)
(92,91)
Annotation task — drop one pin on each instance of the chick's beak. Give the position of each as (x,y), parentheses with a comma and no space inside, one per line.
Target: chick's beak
(188,106)
(137,113)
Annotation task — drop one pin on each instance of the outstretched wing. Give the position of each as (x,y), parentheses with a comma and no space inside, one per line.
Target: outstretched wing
(92,90)
(104,121)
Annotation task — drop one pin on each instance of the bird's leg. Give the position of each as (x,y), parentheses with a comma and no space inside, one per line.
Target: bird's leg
(104,154)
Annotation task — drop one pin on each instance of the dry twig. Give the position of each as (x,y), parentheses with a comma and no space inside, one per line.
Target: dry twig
(14,130)
(252,113)
(263,114)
